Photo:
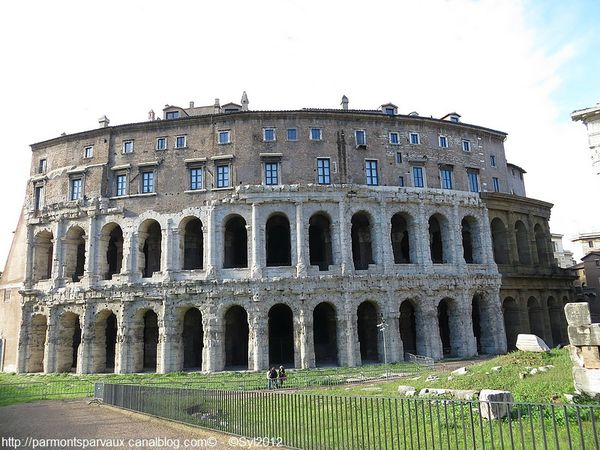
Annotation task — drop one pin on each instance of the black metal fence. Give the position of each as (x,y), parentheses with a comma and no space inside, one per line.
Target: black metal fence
(343,422)
(43,390)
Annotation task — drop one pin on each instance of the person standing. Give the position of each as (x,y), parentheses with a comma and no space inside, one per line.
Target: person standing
(282,376)
(271,377)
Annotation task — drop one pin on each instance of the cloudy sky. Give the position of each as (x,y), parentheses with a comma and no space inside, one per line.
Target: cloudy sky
(514,65)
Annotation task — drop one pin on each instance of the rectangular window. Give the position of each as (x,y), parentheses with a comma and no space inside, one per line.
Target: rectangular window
(121,185)
(38,199)
(127,146)
(271,173)
(225,137)
(292,134)
(394,138)
(180,142)
(316,134)
(414,138)
(172,115)
(323,171)
(473,176)
(496,184)
(398,157)
(466,145)
(401,181)
(76,185)
(418,179)
(443,141)
(147,182)
(161,143)
(269,134)
(390,111)
(446,178)
(196,178)
(42,166)
(493,160)
(88,151)
(371,172)
(360,137)
(223,176)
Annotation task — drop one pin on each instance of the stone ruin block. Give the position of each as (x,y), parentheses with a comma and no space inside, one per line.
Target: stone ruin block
(531,343)
(584,334)
(495,404)
(578,314)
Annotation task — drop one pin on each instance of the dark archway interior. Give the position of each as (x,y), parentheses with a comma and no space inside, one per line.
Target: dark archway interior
(467,241)
(277,241)
(325,334)
(114,252)
(319,242)
(152,250)
(76,341)
(444,325)
(522,243)
(556,320)
(408,328)
(193,245)
(362,252)
(367,332)
(400,242)
(435,241)
(193,339)
(236,244)
(476,320)
(511,322)
(536,318)
(281,335)
(110,332)
(499,242)
(236,338)
(150,340)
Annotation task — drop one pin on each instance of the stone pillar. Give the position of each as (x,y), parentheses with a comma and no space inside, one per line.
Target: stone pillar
(24,337)
(91,275)
(165,247)
(458,256)
(57,257)
(213,350)
(487,247)
(532,242)
(460,321)
(257,265)
(211,246)
(393,341)
(429,342)
(85,355)
(176,255)
(258,339)
(345,240)
(385,239)
(51,341)
(167,335)
(493,335)
(349,346)
(300,241)
(422,239)
(30,240)
(304,352)
(129,267)
(125,339)
(513,253)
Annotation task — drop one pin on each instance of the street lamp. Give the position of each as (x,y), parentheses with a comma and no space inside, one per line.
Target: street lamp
(382,326)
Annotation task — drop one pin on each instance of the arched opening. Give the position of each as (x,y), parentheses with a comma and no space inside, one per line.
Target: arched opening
(36,344)
(444,327)
(400,239)
(150,240)
(104,342)
(438,241)
(541,245)
(499,241)
(277,241)
(471,240)
(235,243)
(557,320)
(74,253)
(236,338)
(150,341)
(42,255)
(367,332)
(67,345)
(476,321)
(408,328)
(325,335)
(110,342)
(522,243)
(111,243)
(193,244)
(281,335)
(512,319)
(319,241)
(536,318)
(193,339)
(362,252)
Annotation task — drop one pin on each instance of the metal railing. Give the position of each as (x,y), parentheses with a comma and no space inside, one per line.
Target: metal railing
(344,422)
(43,390)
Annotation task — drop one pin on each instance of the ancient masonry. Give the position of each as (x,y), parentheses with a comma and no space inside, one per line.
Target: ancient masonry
(224,238)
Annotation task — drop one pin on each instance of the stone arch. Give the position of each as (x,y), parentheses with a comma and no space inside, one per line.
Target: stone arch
(362,250)
(512,320)
(439,239)
(36,344)
(111,250)
(541,245)
(448,324)
(557,320)
(74,253)
(368,335)
(482,317)
(536,318)
(145,336)
(319,241)
(499,241)
(522,237)
(191,243)
(104,343)
(281,335)
(150,236)
(236,337)
(325,334)
(408,327)
(401,238)
(235,243)
(471,240)
(43,249)
(69,339)
(278,241)
(192,339)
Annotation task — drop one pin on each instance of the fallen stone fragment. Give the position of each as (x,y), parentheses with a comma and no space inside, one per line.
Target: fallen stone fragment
(404,390)
(460,371)
(496,368)
(495,404)
(531,343)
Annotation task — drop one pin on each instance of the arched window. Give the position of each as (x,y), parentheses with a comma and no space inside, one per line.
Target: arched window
(277,241)
(438,239)
(499,241)
(400,239)
(362,252)
(522,243)
(74,253)
(319,241)
(235,243)
(150,245)
(192,244)
(42,255)
(541,245)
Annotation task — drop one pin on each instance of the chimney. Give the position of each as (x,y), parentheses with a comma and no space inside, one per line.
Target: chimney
(245,102)
(103,122)
(345,103)
(151,115)
(217,106)
(191,105)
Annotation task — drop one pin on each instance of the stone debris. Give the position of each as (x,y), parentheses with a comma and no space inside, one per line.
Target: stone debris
(460,371)
(531,343)
(432,378)
(584,350)
(533,371)
(495,404)
(496,369)
(407,391)
(432,392)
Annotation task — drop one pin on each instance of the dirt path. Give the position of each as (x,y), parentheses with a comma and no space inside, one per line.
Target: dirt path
(68,419)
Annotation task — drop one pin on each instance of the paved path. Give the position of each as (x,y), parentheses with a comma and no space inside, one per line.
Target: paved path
(64,419)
